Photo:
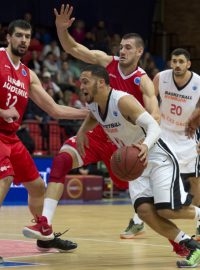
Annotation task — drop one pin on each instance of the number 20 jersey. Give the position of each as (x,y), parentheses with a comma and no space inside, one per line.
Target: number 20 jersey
(14,88)
(177,103)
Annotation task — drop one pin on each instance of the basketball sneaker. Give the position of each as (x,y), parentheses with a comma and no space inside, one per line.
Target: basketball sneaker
(132,230)
(180,250)
(193,259)
(56,243)
(40,231)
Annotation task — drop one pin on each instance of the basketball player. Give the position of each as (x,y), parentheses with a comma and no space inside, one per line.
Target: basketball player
(17,84)
(179,92)
(125,75)
(158,194)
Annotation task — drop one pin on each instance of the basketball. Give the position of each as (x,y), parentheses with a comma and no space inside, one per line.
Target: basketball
(125,163)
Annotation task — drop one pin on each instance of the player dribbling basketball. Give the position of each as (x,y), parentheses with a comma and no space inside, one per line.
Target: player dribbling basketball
(159,191)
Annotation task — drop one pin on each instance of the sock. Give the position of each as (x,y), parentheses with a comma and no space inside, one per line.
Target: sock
(49,209)
(181,236)
(136,219)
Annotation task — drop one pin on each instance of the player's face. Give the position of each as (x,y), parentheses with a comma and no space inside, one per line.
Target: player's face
(180,64)
(19,41)
(88,86)
(129,54)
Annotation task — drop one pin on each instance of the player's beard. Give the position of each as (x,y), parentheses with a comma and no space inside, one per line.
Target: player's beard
(16,52)
(94,92)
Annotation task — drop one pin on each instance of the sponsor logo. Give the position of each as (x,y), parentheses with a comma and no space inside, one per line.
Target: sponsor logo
(6,66)
(74,188)
(115,113)
(194,87)
(137,80)
(24,73)
(45,230)
(4,168)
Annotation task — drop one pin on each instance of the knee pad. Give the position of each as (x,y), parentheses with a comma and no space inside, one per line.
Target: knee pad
(62,164)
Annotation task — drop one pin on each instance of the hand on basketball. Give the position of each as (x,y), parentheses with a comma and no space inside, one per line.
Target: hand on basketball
(143,153)
(63,19)
(82,142)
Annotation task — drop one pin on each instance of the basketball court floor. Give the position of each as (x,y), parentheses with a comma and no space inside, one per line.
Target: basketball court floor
(96,229)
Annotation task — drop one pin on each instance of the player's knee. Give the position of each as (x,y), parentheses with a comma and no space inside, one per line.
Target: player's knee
(144,211)
(62,164)
(35,188)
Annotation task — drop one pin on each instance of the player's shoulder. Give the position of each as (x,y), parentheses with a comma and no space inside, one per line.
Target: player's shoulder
(195,75)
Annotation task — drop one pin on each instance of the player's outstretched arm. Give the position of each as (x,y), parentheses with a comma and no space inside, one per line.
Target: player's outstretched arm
(46,103)
(63,22)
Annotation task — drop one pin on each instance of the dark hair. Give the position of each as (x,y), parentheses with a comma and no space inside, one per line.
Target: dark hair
(180,51)
(139,41)
(20,24)
(98,71)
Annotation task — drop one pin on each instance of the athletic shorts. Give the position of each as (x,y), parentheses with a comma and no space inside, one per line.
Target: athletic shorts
(160,182)
(185,150)
(100,149)
(16,161)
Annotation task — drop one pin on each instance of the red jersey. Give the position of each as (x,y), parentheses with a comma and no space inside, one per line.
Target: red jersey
(14,91)
(129,83)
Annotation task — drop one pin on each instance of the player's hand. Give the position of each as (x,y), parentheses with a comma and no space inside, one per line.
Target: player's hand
(63,19)
(82,142)
(143,153)
(10,115)
(193,123)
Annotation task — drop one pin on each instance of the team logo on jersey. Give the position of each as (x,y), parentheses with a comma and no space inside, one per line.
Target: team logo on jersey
(194,87)
(137,80)
(24,73)
(115,113)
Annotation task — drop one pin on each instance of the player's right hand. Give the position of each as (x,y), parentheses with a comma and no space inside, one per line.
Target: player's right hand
(63,19)
(10,115)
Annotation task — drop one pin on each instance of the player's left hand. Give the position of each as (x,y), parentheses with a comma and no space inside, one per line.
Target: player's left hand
(82,142)
(64,19)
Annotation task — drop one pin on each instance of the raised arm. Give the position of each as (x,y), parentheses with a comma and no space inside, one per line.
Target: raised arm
(63,22)
(46,103)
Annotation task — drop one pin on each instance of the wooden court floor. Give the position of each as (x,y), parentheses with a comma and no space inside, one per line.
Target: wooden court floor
(96,229)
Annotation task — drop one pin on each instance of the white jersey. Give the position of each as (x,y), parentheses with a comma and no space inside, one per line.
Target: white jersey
(176,106)
(115,125)
(177,103)
(160,179)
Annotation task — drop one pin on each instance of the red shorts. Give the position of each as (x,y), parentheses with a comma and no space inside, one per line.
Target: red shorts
(100,149)
(16,161)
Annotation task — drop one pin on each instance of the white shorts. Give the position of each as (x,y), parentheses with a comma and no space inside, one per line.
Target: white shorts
(160,182)
(185,150)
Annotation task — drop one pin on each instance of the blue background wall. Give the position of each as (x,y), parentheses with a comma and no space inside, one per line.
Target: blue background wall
(123,16)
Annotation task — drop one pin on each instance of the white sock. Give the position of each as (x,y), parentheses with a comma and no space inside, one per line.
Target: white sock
(198,223)
(136,219)
(181,236)
(197,212)
(49,209)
